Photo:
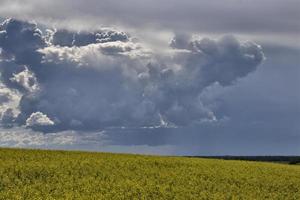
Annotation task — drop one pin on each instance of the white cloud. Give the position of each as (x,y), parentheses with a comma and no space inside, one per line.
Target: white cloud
(21,137)
(38,119)
(10,103)
(26,79)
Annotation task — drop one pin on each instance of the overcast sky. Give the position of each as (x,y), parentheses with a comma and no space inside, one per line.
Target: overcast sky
(151,76)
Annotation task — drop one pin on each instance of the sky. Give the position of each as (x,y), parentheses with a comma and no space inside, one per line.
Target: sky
(164,77)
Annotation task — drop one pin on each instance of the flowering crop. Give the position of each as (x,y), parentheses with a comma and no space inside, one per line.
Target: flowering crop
(37,174)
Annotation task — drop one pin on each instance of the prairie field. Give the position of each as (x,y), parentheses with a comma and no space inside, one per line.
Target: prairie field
(41,174)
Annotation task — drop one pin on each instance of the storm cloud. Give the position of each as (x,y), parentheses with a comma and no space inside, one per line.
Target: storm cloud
(94,80)
(167,77)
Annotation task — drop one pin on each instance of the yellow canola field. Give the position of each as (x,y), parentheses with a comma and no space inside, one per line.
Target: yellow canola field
(39,174)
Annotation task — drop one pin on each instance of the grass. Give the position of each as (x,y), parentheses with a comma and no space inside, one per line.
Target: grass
(38,174)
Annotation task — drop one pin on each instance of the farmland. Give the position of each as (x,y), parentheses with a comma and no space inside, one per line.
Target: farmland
(39,174)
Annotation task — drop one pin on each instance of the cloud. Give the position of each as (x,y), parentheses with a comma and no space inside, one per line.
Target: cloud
(38,119)
(180,41)
(20,137)
(8,117)
(194,16)
(9,103)
(4,97)
(26,79)
(199,91)
(68,38)
(74,140)
(20,40)
(72,82)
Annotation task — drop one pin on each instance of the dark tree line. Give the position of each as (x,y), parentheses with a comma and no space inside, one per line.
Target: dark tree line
(282,159)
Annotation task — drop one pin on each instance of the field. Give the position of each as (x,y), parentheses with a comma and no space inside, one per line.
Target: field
(36,174)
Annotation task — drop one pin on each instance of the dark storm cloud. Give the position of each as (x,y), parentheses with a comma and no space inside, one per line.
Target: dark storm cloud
(258,116)
(225,60)
(20,40)
(202,94)
(92,81)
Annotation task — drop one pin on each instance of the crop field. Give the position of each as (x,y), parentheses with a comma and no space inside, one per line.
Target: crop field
(38,174)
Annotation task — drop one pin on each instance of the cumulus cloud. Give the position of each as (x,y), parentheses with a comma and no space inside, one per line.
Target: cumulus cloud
(38,119)
(26,79)
(20,40)
(9,103)
(95,80)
